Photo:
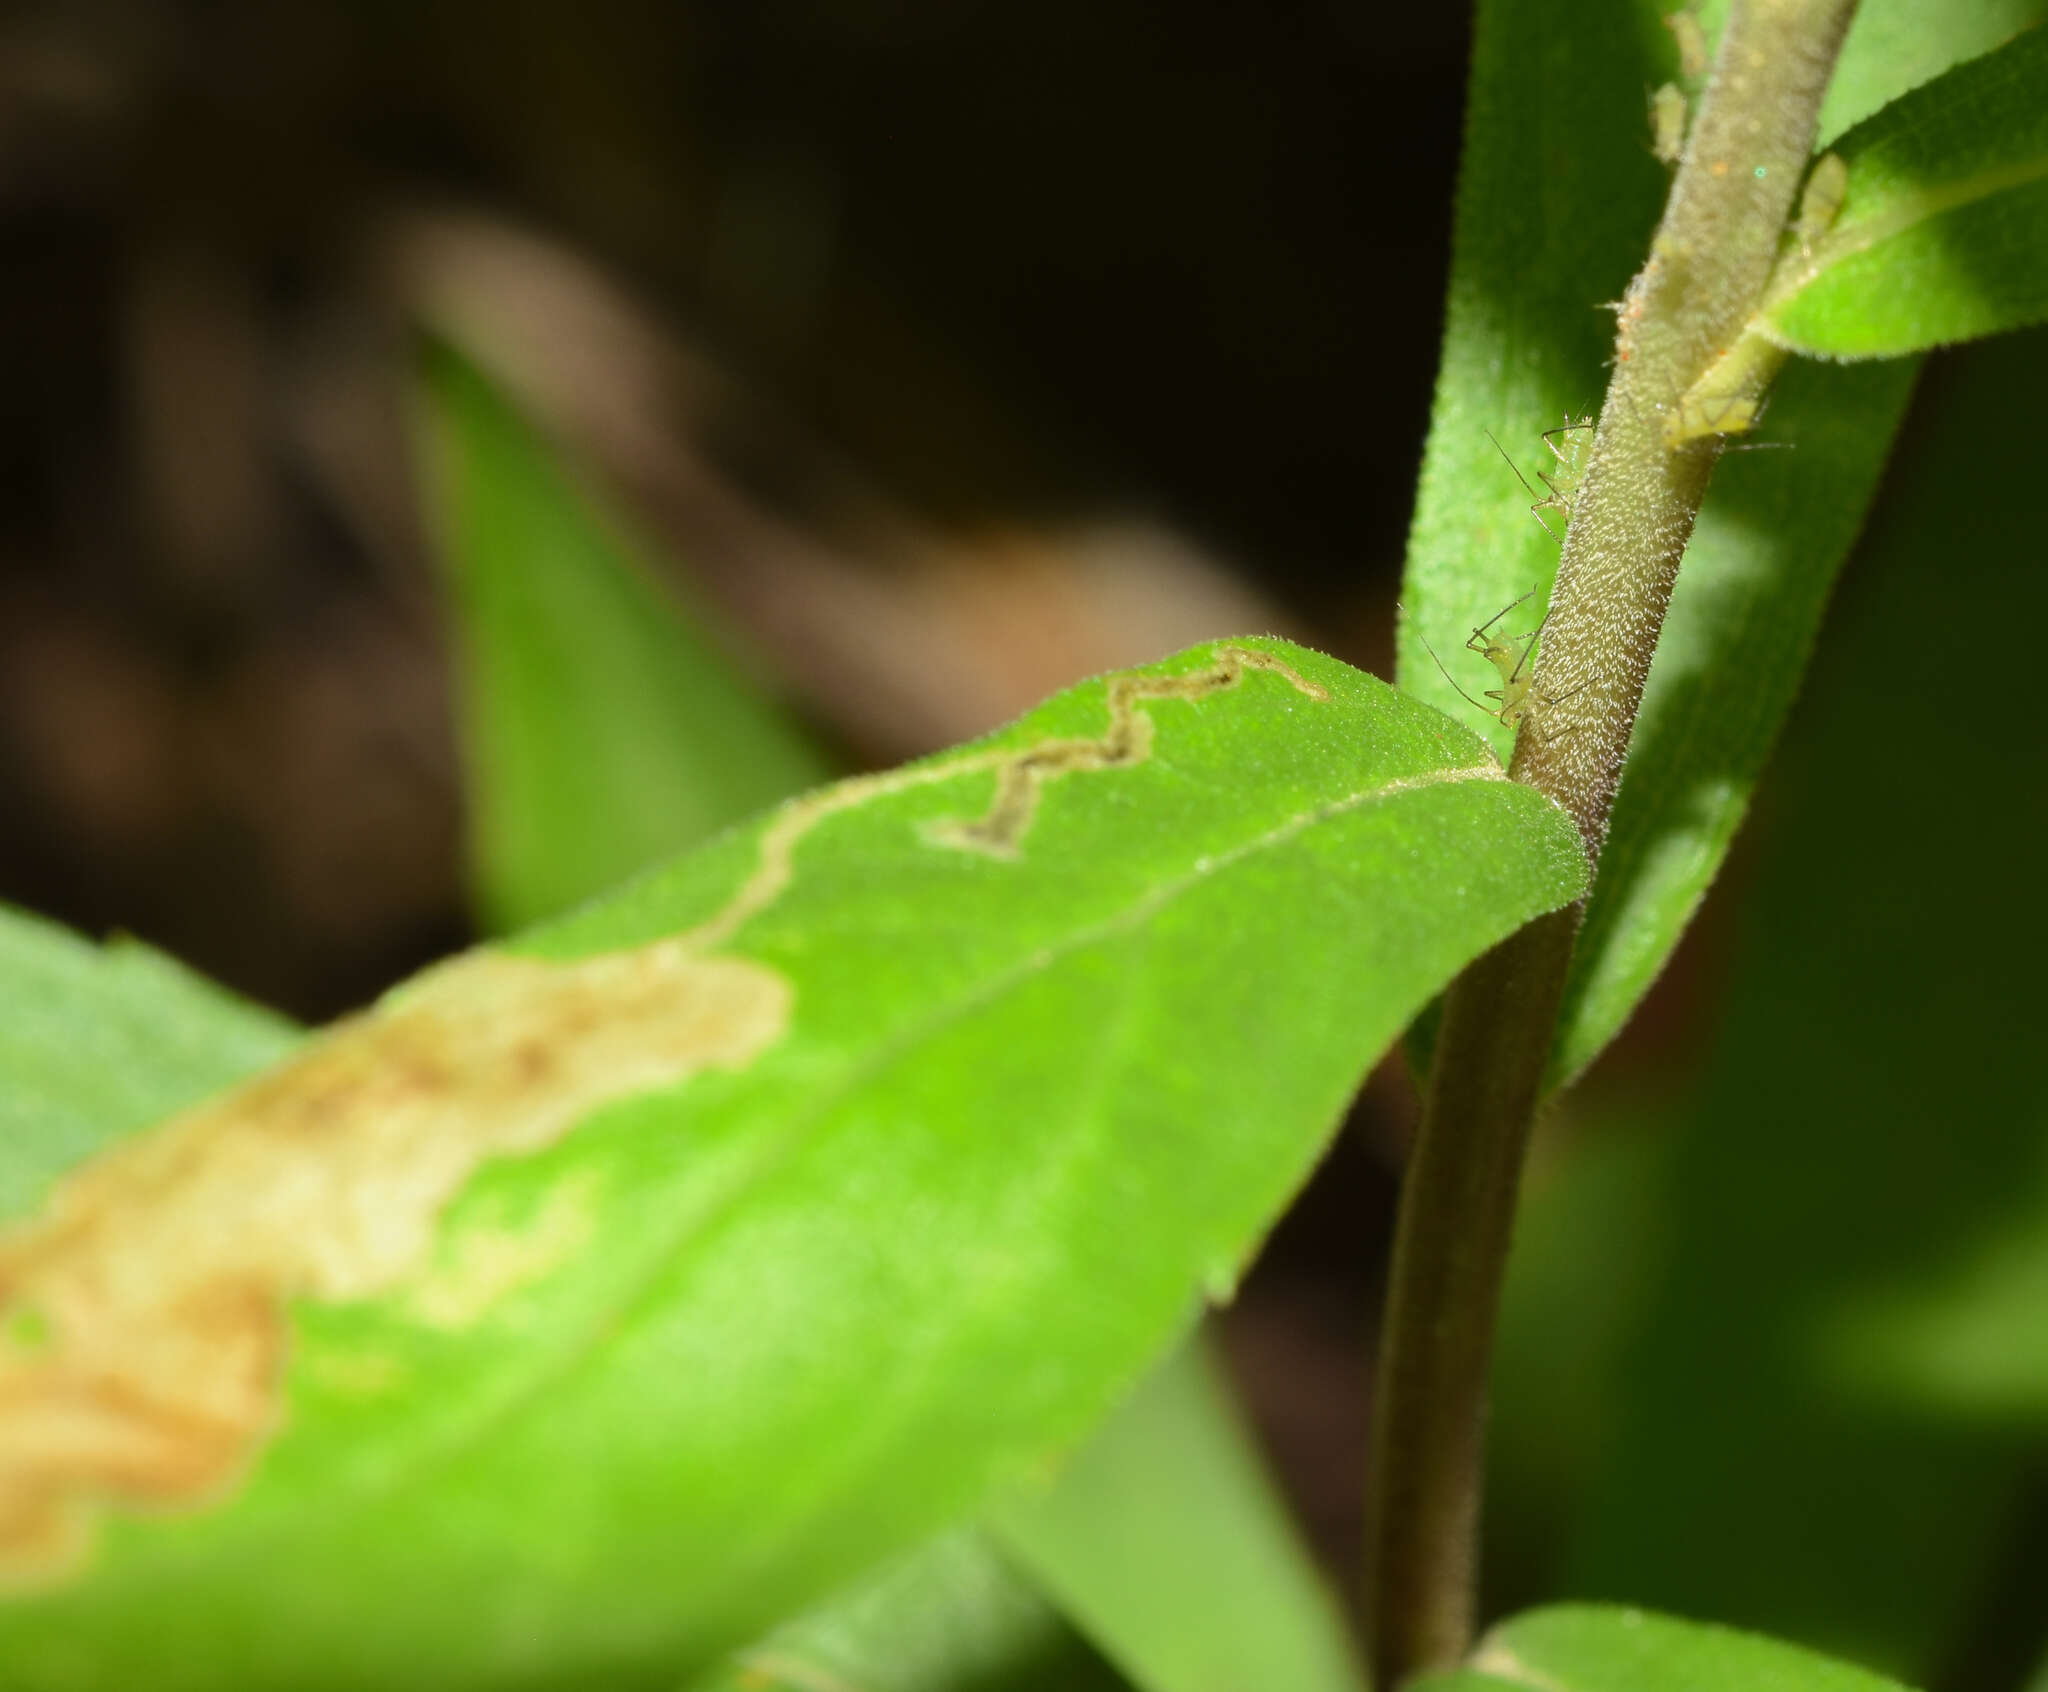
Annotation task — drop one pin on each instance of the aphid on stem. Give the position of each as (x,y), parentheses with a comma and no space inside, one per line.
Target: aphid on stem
(1667,123)
(1693,56)
(1510,656)
(1820,202)
(1559,485)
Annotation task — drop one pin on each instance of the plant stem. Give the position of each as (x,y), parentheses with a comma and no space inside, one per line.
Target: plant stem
(1631,518)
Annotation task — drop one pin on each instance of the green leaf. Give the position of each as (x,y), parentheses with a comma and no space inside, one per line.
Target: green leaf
(1896,45)
(952,1616)
(1591,1231)
(1556,204)
(1863,1185)
(1162,1537)
(1943,233)
(603,728)
(98,1042)
(1603,1648)
(650,1278)
(1744,618)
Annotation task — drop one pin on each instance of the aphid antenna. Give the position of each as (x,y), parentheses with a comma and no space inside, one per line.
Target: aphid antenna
(1439,663)
(1510,463)
(1505,609)
(1763,407)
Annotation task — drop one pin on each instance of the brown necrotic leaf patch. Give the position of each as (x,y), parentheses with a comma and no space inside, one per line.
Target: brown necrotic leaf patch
(147,1306)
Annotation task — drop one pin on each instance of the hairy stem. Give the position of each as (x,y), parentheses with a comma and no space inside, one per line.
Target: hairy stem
(1633,513)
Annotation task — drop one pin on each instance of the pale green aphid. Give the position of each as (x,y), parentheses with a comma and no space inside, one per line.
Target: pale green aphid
(1820,203)
(1562,483)
(1667,124)
(1692,44)
(1510,662)
(1511,655)
(1728,397)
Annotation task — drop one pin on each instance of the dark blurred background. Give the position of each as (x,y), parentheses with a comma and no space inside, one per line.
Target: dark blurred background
(1039,294)
(952,351)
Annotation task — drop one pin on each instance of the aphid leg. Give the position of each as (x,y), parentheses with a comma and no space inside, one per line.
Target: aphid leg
(1510,657)
(1496,652)
(1542,504)
(1563,482)
(1558,699)
(1559,485)
(1570,457)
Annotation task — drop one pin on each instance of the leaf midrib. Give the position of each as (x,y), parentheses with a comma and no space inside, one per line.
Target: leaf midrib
(1913,207)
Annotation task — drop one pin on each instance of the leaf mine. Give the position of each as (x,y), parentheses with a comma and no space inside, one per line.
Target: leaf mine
(145,1313)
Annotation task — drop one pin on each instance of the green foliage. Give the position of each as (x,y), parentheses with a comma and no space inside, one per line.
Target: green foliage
(805,1311)
(1943,235)
(955,1090)
(1896,45)
(1857,1205)
(1555,207)
(1599,1648)
(98,1042)
(1829,1267)
(1162,1538)
(1209,1586)
(603,729)
(952,1616)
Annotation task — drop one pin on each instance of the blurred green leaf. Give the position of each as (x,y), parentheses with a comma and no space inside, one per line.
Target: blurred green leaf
(952,1616)
(96,1042)
(1601,1648)
(603,729)
(1943,233)
(1163,1538)
(1896,45)
(1591,1233)
(770,1215)
(1821,1431)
